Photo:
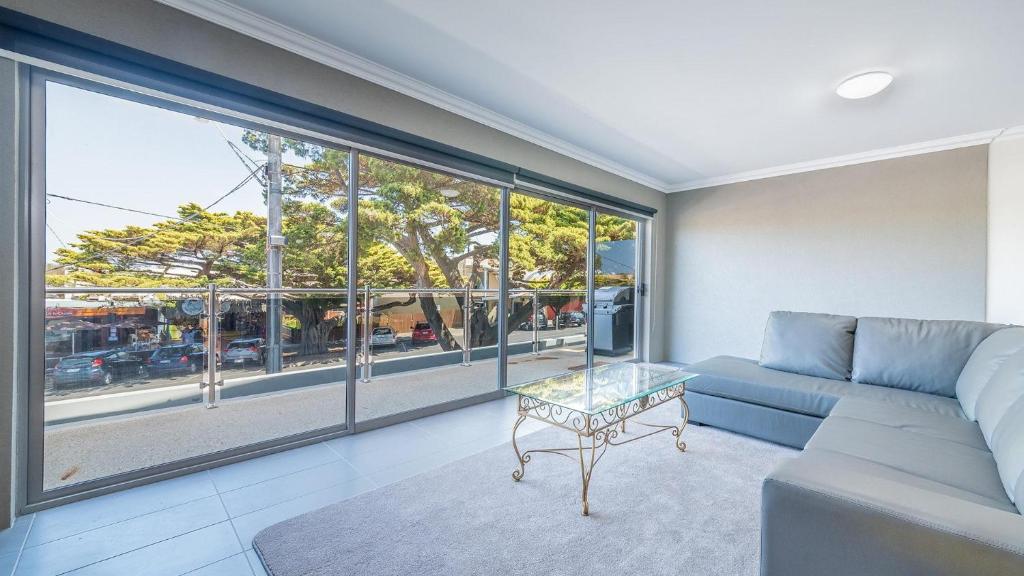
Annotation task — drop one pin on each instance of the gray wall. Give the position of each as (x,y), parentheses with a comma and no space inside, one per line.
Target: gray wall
(8,279)
(902,237)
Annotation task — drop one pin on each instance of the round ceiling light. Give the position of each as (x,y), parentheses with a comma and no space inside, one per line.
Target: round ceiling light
(864,85)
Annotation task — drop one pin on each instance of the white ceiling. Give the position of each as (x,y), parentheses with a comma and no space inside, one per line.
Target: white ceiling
(678,94)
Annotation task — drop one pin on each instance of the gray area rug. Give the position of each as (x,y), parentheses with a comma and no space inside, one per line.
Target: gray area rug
(653,510)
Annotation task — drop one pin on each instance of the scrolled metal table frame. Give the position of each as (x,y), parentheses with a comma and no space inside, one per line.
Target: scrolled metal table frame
(602,429)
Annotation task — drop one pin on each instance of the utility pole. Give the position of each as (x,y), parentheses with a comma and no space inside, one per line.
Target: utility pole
(275,247)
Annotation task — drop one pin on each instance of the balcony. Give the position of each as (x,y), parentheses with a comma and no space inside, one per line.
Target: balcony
(125,385)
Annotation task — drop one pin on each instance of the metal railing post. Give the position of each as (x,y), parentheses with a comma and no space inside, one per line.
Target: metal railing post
(466,350)
(534,323)
(367,334)
(212,383)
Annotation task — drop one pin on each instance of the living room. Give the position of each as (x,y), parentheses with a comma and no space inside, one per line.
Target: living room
(327,287)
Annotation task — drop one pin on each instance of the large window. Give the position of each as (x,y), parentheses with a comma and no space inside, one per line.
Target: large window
(195,293)
(548,312)
(428,249)
(615,283)
(159,206)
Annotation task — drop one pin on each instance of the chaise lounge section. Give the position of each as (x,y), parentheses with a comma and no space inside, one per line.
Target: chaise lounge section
(912,465)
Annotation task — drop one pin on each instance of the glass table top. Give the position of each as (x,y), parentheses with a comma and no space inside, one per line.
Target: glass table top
(603,387)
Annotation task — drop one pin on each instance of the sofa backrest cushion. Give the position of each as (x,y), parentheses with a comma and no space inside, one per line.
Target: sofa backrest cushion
(810,344)
(1008,450)
(920,355)
(1001,392)
(986,359)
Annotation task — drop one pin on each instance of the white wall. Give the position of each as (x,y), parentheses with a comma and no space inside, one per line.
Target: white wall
(1006,231)
(903,237)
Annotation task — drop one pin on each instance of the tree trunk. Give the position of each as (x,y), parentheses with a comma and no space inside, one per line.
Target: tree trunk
(445,339)
(315,328)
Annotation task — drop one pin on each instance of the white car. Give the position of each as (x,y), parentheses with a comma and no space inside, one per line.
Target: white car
(245,351)
(383,336)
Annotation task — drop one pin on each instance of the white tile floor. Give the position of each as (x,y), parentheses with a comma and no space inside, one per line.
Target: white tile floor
(203,524)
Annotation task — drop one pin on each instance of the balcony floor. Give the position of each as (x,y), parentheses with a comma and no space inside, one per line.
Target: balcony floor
(96,447)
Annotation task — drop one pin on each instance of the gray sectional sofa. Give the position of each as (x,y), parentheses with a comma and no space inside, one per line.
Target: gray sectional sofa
(913,438)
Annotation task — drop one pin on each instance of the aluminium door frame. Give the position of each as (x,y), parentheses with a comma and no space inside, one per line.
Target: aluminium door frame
(32,495)
(31,425)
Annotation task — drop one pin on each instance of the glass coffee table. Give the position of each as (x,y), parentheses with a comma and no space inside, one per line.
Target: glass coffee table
(594,404)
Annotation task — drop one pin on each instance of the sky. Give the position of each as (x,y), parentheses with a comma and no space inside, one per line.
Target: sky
(118,152)
(113,151)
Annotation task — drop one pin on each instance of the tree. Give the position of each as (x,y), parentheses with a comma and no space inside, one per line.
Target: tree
(417,229)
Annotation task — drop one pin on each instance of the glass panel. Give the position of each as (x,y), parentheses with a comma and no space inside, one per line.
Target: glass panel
(165,203)
(615,288)
(603,387)
(428,256)
(122,382)
(547,313)
(309,392)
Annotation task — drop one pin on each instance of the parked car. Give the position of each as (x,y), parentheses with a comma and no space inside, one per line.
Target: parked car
(383,336)
(422,333)
(542,323)
(245,350)
(572,319)
(178,358)
(102,367)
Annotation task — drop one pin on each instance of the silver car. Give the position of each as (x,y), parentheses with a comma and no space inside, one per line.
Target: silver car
(245,350)
(383,336)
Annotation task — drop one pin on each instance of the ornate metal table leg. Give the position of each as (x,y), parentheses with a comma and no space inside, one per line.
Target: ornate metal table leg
(517,474)
(678,432)
(585,470)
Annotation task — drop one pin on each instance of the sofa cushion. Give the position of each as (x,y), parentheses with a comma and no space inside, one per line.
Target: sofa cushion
(1008,449)
(1005,387)
(836,469)
(920,355)
(904,417)
(955,464)
(827,513)
(939,405)
(744,380)
(983,363)
(810,344)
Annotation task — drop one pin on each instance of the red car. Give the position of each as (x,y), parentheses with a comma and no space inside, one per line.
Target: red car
(422,333)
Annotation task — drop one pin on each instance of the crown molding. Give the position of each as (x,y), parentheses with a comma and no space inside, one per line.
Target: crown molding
(1010,133)
(276,34)
(975,139)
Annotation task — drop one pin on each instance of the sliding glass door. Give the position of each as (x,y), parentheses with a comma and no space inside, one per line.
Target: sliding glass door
(547,270)
(207,287)
(161,229)
(616,306)
(428,269)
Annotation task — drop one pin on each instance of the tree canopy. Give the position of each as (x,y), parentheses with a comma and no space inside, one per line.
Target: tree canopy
(417,228)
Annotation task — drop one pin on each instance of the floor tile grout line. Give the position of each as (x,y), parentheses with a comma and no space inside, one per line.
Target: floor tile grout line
(118,555)
(317,491)
(234,530)
(303,469)
(21,549)
(358,475)
(137,516)
(194,570)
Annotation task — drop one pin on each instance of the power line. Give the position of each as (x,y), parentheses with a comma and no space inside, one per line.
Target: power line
(136,240)
(55,235)
(94,203)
